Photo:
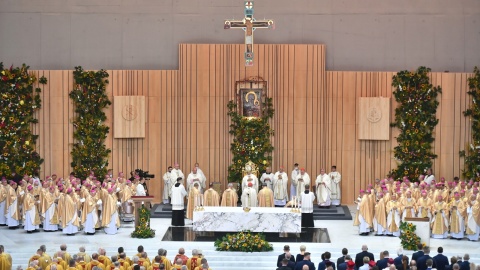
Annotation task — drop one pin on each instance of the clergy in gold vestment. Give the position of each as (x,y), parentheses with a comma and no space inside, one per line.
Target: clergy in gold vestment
(110,220)
(89,216)
(473,219)
(211,197)
(49,210)
(393,216)
(458,213)
(11,208)
(69,214)
(408,206)
(5,259)
(424,206)
(363,218)
(439,219)
(265,197)
(193,200)
(31,216)
(230,197)
(380,218)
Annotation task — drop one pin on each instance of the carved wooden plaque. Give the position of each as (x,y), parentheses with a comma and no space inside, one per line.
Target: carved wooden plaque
(129,117)
(374,118)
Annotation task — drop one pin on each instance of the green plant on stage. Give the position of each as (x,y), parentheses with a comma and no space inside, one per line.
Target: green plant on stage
(143,229)
(20,99)
(409,239)
(245,241)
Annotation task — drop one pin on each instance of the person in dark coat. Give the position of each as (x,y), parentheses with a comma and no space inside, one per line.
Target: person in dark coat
(300,255)
(422,261)
(403,265)
(326,262)
(286,249)
(453,260)
(419,253)
(306,261)
(342,259)
(465,265)
(364,253)
(343,266)
(383,263)
(284,266)
(440,260)
(398,259)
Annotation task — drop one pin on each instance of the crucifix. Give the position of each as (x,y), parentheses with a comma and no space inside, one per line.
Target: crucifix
(249,24)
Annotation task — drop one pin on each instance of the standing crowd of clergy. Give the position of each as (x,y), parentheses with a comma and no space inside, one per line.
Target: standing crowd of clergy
(67,204)
(453,207)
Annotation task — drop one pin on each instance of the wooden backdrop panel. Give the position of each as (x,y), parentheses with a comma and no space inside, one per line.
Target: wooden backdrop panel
(129,117)
(374,118)
(315,116)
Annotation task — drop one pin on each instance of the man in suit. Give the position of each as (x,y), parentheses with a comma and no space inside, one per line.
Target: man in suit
(453,260)
(422,261)
(286,249)
(326,262)
(343,266)
(465,265)
(398,259)
(441,261)
(306,261)
(359,257)
(285,263)
(342,259)
(419,253)
(383,263)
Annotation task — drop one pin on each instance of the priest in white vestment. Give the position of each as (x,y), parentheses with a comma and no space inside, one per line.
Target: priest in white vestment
(300,181)
(200,171)
(280,193)
(336,187)
(472,225)
(195,177)
(293,188)
(267,178)
(177,172)
(3,197)
(168,181)
(324,189)
(250,178)
(429,177)
(249,196)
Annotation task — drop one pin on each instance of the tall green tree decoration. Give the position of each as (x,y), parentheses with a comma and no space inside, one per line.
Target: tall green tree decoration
(18,104)
(472,152)
(251,139)
(89,96)
(416,119)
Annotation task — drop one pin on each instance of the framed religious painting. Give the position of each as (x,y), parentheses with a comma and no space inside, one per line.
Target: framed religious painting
(251,95)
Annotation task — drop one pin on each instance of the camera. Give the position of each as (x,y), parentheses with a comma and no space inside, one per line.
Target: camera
(144,174)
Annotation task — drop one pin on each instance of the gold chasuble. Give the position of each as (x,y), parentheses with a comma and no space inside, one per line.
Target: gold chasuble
(89,205)
(11,198)
(458,213)
(365,211)
(67,211)
(381,214)
(109,208)
(265,197)
(29,204)
(193,200)
(439,220)
(211,198)
(229,198)
(393,217)
(5,261)
(424,205)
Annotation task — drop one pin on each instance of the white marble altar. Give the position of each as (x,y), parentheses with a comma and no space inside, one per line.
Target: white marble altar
(258,219)
(423,228)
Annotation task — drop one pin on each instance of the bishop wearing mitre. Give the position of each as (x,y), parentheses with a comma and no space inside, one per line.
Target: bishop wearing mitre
(250,179)
(195,177)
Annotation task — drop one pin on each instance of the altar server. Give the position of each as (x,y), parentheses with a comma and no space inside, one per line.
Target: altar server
(178,207)
(307,199)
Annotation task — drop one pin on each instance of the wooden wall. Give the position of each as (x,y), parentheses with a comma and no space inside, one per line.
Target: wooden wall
(315,115)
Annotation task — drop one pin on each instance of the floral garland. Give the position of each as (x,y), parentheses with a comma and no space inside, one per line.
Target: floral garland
(472,153)
(243,241)
(18,105)
(143,229)
(251,139)
(89,152)
(416,119)
(409,239)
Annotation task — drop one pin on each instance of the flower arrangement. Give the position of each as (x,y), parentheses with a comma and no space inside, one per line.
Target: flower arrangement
(415,117)
(472,152)
(20,99)
(143,229)
(89,96)
(251,139)
(245,241)
(409,239)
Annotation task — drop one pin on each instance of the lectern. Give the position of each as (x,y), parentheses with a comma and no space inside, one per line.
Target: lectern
(138,201)
(423,228)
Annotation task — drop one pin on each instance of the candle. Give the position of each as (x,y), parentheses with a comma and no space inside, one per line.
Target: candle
(201,199)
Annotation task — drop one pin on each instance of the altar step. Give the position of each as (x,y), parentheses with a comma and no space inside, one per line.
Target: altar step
(331,213)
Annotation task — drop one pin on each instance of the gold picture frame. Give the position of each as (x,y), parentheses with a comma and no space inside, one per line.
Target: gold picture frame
(251,96)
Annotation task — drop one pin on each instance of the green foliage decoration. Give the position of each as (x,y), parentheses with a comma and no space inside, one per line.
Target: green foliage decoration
(245,241)
(415,117)
(19,101)
(89,96)
(143,230)
(472,151)
(251,139)
(408,238)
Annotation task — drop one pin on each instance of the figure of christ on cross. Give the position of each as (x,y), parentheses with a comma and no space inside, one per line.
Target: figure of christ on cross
(249,24)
